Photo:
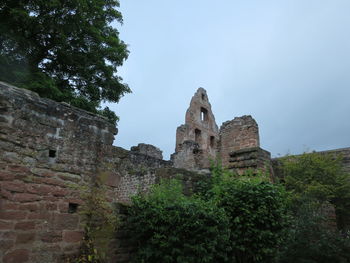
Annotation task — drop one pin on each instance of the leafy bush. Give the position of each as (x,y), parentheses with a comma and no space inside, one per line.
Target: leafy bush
(310,240)
(319,177)
(170,227)
(230,219)
(257,212)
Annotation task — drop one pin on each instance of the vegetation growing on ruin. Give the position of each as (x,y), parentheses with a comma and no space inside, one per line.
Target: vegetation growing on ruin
(99,221)
(319,178)
(168,226)
(252,219)
(317,184)
(64,50)
(237,220)
(310,238)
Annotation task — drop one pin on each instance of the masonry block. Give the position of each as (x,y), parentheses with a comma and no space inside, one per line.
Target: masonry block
(17,256)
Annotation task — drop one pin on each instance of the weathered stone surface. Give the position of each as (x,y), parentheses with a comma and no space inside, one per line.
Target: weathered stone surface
(48,150)
(51,236)
(148,149)
(196,140)
(239,133)
(72,236)
(344,153)
(24,238)
(25,225)
(252,159)
(17,256)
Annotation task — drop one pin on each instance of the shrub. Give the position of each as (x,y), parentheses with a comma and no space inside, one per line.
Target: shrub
(258,217)
(310,240)
(319,177)
(170,227)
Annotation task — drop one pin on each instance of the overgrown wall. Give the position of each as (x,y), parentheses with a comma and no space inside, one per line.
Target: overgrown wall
(344,153)
(45,148)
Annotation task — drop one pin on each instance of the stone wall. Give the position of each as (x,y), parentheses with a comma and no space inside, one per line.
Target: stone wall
(148,149)
(46,148)
(252,159)
(237,134)
(344,153)
(197,139)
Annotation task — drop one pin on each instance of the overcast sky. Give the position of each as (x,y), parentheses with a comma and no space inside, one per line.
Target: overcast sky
(285,62)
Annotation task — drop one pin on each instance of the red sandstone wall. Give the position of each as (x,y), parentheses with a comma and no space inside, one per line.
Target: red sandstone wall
(45,148)
(237,134)
(195,151)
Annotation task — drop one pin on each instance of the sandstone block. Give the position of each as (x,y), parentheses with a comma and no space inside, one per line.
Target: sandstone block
(6,225)
(26,225)
(72,236)
(51,236)
(25,197)
(13,215)
(31,207)
(6,244)
(6,176)
(17,256)
(65,221)
(24,238)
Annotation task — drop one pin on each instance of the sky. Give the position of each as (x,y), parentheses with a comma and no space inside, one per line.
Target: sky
(285,62)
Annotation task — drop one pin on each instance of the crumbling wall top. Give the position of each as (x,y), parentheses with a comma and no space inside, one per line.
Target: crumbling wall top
(148,149)
(199,113)
(239,133)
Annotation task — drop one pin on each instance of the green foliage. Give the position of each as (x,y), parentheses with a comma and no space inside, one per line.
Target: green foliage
(319,177)
(311,240)
(257,210)
(169,227)
(99,221)
(231,218)
(64,50)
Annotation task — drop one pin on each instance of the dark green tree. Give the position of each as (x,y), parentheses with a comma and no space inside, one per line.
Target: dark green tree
(64,50)
(319,177)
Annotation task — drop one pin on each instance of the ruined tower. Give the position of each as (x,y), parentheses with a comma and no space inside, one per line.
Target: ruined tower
(197,139)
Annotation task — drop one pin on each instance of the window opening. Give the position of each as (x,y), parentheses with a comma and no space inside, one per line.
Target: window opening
(212,141)
(197,135)
(52,153)
(204,114)
(72,208)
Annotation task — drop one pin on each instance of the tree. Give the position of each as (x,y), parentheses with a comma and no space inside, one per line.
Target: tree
(319,177)
(64,50)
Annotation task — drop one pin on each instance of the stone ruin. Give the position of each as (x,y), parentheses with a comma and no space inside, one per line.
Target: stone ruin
(46,147)
(199,141)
